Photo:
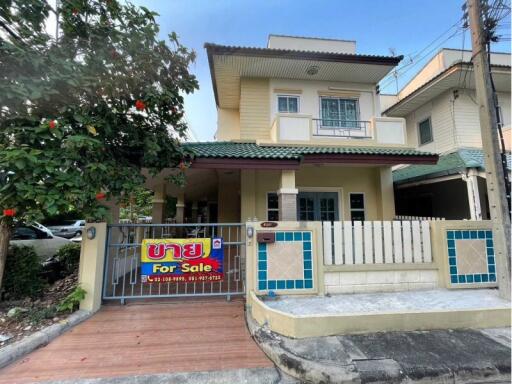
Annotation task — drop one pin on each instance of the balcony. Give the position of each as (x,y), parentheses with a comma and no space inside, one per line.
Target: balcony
(305,128)
(350,129)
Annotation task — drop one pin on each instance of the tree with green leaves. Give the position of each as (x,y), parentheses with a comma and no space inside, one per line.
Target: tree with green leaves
(83,112)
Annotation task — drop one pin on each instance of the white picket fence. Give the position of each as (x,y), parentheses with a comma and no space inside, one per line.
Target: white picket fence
(376,242)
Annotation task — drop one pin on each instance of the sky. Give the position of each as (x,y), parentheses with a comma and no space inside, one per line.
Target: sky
(380,27)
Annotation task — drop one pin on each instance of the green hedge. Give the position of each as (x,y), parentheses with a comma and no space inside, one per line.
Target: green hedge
(69,257)
(22,275)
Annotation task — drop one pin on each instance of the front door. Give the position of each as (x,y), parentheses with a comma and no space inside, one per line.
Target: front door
(317,206)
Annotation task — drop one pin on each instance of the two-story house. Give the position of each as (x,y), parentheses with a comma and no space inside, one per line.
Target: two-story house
(439,105)
(300,136)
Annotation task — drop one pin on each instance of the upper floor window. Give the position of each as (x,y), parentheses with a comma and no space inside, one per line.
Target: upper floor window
(425,131)
(288,104)
(338,112)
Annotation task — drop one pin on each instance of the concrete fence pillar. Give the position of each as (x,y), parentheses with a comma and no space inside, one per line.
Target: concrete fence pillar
(92,263)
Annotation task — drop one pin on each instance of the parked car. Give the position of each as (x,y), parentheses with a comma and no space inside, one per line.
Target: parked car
(41,227)
(77,239)
(45,244)
(68,228)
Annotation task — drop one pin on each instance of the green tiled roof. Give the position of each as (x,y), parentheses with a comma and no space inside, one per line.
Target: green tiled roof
(227,149)
(447,164)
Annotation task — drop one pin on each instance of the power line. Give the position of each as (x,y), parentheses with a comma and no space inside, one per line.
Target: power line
(402,70)
(414,55)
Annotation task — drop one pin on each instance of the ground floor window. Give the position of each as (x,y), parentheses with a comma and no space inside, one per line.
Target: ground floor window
(357,207)
(272,206)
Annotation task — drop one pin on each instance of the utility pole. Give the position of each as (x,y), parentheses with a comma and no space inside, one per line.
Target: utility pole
(496,191)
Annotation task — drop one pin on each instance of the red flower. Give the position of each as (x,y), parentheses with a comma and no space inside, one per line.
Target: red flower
(52,124)
(9,212)
(140,105)
(100,196)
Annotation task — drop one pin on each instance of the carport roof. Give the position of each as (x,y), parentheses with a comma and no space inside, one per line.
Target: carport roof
(208,152)
(448,164)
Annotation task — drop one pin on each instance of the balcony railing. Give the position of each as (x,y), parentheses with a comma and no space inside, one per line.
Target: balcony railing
(355,129)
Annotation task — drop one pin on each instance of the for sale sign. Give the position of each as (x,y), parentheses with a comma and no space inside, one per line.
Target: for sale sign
(182,260)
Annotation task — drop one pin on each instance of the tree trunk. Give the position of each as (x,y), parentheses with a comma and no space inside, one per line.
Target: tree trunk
(5,235)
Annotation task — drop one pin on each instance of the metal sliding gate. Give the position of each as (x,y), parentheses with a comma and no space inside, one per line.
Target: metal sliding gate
(122,276)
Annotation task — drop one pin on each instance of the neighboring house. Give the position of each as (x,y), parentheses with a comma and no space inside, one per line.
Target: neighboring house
(439,105)
(299,137)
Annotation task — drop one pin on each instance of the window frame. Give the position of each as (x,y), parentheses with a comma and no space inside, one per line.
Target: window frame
(267,209)
(431,131)
(350,209)
(338,98)
(287,103)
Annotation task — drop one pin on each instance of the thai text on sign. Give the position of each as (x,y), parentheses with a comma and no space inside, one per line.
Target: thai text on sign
(182,260)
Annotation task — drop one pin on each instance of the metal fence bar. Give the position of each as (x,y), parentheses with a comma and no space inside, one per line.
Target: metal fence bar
(122,261)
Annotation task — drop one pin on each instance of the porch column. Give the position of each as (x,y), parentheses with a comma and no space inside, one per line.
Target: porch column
(471,179)
(194,211)
(287,195)
(180,207)
(157,213)
(248,194)
(387,197)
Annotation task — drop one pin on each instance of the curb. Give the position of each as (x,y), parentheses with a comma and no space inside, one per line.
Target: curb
(296,366)
(238,376)
(363,369)
(13,352)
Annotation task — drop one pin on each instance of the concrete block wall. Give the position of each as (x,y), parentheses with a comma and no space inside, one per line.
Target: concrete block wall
(380,281)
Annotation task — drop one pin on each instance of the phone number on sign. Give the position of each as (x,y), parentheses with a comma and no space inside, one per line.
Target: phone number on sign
(180,279)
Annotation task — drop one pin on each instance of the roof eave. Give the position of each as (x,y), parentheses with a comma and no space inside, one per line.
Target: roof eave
(302,55)
(439,77)
(215,49)
(286,163)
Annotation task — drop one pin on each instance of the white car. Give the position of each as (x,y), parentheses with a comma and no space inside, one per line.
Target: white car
(68,228)
(44,243)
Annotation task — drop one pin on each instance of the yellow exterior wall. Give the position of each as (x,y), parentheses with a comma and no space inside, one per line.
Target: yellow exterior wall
(256,184)
(248,194)
(228,199)
(254,109)
(228,124)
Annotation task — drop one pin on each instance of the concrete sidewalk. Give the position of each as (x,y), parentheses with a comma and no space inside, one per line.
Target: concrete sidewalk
(438,356)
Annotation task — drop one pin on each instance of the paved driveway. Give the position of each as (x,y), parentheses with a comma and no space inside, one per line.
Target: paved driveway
(147,338)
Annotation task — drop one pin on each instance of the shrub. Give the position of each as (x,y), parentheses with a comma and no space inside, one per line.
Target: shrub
(69,257)
(22,273)
(72,301)
(38,315)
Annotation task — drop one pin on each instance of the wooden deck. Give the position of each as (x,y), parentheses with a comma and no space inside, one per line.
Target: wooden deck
(146,338)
